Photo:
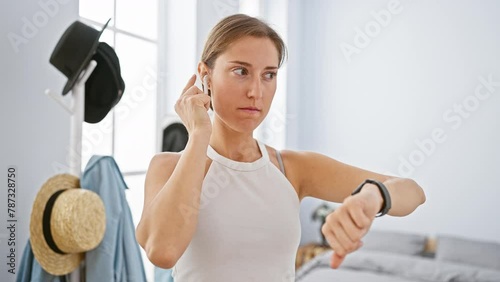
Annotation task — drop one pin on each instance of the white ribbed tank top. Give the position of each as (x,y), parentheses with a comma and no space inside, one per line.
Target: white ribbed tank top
(248,226)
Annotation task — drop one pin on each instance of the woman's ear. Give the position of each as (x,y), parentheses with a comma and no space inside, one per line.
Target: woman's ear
(203,70)
(204,73)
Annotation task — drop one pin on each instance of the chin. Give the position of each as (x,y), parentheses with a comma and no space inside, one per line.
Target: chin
(242,124)
(247,127)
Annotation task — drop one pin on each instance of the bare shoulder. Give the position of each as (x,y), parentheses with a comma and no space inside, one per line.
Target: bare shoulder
(165,158)
(291,161)
(159,171)
(295,162)
(162,164)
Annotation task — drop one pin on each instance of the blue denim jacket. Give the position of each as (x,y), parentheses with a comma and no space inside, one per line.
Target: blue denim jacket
(118,257)
(30,270)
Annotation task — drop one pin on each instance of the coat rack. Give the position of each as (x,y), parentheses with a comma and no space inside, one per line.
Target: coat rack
(76,109)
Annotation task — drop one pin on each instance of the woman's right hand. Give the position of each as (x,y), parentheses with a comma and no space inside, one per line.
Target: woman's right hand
(192,107)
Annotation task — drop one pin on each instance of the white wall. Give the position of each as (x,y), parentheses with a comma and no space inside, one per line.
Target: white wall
(372,110)
(34,129)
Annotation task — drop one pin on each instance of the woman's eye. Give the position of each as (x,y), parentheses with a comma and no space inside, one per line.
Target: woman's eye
(240,71)
(271,75)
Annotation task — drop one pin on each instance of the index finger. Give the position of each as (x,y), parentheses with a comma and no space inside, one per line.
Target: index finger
(189,84)
(336,260)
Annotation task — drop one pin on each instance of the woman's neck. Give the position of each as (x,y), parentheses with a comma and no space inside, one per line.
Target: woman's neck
(237,146)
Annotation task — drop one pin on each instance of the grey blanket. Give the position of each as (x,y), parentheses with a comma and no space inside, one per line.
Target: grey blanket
(387,267)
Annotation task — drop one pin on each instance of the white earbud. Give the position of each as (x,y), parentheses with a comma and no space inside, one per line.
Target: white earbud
(205,84)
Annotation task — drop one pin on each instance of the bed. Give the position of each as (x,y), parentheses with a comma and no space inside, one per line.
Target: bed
(393,256)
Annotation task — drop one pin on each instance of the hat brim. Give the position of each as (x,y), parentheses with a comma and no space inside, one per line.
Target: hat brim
(72,80)
(50,261)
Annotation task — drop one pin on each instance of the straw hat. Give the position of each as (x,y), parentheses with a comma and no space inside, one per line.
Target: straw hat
(66,221)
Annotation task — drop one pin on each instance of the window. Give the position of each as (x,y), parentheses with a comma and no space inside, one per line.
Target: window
(128,133)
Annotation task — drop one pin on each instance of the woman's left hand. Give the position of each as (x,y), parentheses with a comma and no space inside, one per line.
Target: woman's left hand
(344,228)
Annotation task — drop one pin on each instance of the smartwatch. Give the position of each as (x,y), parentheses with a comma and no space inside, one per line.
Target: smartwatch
(385,195)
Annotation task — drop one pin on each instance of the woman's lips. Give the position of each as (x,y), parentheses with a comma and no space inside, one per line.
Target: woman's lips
(250,111)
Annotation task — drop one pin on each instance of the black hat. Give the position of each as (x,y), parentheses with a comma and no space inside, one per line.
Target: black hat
(74,51)
(175,137)
(104,88)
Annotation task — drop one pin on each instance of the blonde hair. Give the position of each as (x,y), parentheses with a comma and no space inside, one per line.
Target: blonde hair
(234,27)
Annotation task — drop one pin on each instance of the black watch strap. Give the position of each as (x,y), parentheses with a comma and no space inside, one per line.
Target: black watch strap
(383,190)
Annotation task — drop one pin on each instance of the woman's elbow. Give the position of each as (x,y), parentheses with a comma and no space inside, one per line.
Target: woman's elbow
(423,198)
(420,193)
(157,254)
(161,257)
(140,237)
(409,199)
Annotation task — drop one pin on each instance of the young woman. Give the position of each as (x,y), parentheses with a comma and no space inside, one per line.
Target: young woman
(227,207)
